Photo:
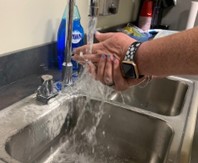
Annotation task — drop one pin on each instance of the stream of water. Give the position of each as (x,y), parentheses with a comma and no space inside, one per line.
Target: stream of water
(80,146)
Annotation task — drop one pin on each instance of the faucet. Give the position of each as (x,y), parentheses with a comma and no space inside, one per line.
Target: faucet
(48,90)
(67,64)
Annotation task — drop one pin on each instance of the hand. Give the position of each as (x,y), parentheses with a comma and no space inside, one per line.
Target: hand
(103,72)
(109,43)
(109,73)
(106,56)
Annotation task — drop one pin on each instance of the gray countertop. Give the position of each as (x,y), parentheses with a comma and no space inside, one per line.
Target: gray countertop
(11,93)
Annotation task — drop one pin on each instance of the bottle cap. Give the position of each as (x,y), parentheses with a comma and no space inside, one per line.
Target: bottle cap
(147,8)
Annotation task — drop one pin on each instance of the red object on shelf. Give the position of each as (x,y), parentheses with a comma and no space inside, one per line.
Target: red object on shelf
(146,15)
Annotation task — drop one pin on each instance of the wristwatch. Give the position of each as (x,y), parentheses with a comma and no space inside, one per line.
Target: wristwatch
(128,65)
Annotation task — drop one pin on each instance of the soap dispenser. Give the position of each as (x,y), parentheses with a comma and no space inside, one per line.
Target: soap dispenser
(61,35)
(77,38)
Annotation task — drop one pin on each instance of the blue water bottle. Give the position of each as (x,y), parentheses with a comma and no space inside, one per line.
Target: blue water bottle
(77,38)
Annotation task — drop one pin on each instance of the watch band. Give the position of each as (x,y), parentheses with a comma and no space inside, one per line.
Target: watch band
(130,54)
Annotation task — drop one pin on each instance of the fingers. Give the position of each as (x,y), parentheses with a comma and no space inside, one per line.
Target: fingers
(85,49)
(108,73)
(101,69)
(120,82)
(92,69)
(87,57)
(96,46)
(105,70)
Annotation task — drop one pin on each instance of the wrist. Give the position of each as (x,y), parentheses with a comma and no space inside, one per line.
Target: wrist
(142,60)
(127,41)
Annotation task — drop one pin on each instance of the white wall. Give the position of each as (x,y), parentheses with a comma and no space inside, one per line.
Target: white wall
(128,10)
(178,15)
(28,23)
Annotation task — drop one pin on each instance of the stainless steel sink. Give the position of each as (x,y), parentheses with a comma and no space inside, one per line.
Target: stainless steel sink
(162,96)
(104,131)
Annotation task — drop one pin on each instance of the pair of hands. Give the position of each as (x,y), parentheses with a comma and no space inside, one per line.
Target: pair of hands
(105,60)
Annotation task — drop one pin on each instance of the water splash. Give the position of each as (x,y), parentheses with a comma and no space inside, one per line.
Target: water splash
(92,22)
(80,145)
(80,148)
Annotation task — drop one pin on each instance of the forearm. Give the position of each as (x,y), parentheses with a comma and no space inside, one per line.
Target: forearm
(176,54)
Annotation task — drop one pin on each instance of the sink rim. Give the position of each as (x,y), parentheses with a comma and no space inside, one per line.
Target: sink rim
(168,129)
(152,98)
(191,104)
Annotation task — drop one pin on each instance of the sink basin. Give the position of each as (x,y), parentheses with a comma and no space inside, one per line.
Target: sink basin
(124,134)
(162,96)
(152,126)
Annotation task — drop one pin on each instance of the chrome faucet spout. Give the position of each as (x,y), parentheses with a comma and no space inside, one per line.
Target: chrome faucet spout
(67,65)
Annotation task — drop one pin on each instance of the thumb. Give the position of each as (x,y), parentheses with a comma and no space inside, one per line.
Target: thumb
(103,36)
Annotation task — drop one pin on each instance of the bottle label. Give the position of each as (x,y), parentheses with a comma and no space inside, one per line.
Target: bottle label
(76,37)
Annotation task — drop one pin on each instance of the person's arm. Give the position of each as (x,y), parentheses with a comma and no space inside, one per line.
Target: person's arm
(176,54)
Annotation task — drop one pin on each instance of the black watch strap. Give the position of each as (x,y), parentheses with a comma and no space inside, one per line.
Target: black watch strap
(130,54)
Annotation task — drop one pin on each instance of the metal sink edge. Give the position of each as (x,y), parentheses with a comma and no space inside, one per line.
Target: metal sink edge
(12,121)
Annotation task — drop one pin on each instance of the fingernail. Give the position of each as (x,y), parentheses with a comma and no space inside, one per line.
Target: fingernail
(116,61)
(74,50)
(103,56)
(96,32)
(81,54)
(109,57)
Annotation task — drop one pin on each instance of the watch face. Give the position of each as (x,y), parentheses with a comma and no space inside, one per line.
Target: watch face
(128,70)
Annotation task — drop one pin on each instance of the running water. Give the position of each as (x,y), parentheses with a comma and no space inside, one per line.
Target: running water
(80,146)
(91,31)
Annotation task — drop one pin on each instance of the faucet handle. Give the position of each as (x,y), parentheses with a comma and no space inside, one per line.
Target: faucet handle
(47,90)
(46,77)
(47,83)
